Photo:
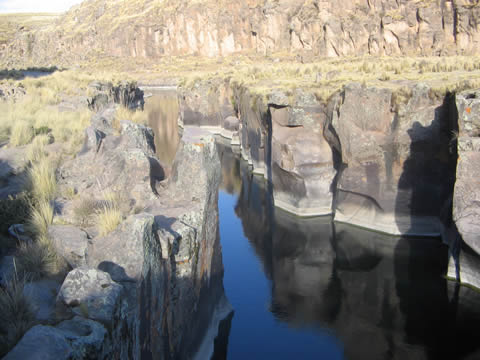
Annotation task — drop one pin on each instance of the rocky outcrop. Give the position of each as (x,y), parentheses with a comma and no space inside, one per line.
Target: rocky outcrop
(150,29)
(126,94)
(154,281)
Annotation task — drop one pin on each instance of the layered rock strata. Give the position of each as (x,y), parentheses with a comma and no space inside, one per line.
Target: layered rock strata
(327,28)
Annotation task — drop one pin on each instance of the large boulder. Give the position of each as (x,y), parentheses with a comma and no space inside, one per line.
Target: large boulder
(91,293)
(70,242)
(121,253)
(78,338)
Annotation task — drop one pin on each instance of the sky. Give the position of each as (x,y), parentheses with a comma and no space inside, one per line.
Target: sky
(13,6)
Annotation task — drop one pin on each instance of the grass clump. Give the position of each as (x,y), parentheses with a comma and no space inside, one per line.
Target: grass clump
(41,218)
(84,209)
(16,314)
(38,259)
(136,116)
(41,180)
(21,133)
(108,218)
(36,150)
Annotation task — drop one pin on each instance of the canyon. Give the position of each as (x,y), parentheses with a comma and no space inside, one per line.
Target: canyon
(346,130)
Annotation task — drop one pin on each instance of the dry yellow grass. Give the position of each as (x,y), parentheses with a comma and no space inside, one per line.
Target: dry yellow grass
(10,23)
(41,218)
(36,150)
(136,116)
(22,133)
(41,179)
(108,218)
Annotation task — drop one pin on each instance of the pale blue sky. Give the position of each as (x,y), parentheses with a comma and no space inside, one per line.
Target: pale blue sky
(12,6)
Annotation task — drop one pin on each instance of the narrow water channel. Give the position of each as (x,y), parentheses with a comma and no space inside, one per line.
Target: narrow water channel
(314,289)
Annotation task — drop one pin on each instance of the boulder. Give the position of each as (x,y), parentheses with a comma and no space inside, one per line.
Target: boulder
(42,343)
(91,293)
(78,338)
(42,297)
(231,123)
(121,253)
(70,242)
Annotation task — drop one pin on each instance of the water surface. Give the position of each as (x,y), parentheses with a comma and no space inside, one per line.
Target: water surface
(312,289)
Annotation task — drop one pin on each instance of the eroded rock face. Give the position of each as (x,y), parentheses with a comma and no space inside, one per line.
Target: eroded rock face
(464,235)
(380,27)
(399,164)
(302,166)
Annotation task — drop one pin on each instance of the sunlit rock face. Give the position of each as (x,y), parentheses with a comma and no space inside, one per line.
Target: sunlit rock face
(301,162)
(463,235)
(327,28)
(399,159)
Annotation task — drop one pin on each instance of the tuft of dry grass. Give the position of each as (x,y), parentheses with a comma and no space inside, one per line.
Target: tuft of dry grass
(38,259)
(108,218)
(36,150)
(41,180)
(16,314)
(84,209)
(41,218)
(136,116)
(21,133)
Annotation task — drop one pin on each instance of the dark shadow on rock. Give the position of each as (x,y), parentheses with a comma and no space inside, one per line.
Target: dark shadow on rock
(116,271)
(157,173)
(425,186)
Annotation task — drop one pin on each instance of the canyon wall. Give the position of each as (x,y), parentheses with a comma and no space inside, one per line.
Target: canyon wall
(377,158)
(150,29)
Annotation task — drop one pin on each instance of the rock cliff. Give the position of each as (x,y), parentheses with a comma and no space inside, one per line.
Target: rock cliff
(150,28)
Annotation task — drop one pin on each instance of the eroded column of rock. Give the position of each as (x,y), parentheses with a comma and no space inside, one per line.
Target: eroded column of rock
(301,161)
(465,248)
(399,167)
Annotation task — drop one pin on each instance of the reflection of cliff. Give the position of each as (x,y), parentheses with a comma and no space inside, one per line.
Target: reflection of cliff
(162,109)
(384,297)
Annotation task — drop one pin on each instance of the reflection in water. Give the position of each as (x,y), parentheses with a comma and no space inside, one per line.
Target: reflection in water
(162,108)
(310,289)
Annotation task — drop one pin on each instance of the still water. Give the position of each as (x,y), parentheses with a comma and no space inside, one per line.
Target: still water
(312,289)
